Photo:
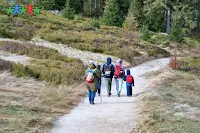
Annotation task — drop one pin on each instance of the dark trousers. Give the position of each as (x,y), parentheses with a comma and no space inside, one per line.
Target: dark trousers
(91,95)
(129,90)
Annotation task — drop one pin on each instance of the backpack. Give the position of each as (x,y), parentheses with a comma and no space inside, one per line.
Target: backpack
(129,79)
(90,76)
(107,70)
(118,71)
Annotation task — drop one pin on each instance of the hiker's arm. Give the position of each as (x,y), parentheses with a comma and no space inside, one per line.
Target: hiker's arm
(133,82)
(103,69)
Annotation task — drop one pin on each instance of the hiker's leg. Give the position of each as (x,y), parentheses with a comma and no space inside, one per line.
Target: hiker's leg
(89,95)
(117,85)
(130,90)
(127,90)
(120,84)
(107,85)
(92,96)
(110,85)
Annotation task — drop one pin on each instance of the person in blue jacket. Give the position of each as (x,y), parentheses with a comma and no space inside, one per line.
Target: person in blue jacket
(108,72)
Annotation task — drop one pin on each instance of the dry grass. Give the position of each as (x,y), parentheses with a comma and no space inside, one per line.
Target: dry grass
(159,107)
(30,106)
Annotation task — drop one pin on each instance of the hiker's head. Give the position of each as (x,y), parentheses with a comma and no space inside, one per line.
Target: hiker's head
(109,61)
(119,61)
(98,67)
(128,72)
(92,65)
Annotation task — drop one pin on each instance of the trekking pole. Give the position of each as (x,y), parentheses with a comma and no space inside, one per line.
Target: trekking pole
(100,98)
(84,97)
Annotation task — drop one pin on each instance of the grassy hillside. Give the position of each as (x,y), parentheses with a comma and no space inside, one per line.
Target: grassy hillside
(47,64)
(80,33)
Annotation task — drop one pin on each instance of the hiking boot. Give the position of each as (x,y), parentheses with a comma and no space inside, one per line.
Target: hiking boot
(118,95)
(92,103)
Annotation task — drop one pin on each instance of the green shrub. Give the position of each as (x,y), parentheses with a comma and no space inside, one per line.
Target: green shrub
(145,33)
(68,13)
(159,39)
(157,52)
(191,64)
(95,23)
(189,43)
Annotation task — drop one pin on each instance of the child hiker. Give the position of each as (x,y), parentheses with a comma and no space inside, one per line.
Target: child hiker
(129,83)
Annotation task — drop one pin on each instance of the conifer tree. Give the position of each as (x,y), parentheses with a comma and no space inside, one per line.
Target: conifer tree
(135,17)
(112,15)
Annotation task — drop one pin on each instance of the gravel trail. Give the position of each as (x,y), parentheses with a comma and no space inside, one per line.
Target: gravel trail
(115,114)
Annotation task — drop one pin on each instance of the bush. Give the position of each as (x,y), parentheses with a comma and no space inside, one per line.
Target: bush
(95,23)
(159,39)
(174,64)
(157,52)
(68,13)
(145,33)
(191,64)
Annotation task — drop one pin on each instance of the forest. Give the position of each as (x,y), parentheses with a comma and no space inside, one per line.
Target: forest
(167,16)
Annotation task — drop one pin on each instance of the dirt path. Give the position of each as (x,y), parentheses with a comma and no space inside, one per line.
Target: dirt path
(22,59)
(84,56)
(115,114)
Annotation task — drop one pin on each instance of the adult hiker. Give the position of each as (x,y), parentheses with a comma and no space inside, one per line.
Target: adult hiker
(129,83)
(118,75)
(99,80)
(108,71)
(92,76)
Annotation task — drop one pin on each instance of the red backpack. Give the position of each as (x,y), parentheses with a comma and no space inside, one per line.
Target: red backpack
(129,79)
(118,71)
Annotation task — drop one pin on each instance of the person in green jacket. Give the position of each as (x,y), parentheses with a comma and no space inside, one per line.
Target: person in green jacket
(92,83)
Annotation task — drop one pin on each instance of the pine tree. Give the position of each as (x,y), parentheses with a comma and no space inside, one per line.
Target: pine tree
(184,13)
(154,11)
(135,16)
(68,12)
(112,15)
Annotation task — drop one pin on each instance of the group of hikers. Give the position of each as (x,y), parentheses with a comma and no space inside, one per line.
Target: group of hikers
(108,71)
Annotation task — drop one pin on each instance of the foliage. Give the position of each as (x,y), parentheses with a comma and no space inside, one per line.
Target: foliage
(56,72)
(159,38)
(135,16)
(176,33)
(112,15)
(157,52)
(68,12)
(96,23)
(46,4)
(145,33)
(191,64)
(154,12)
